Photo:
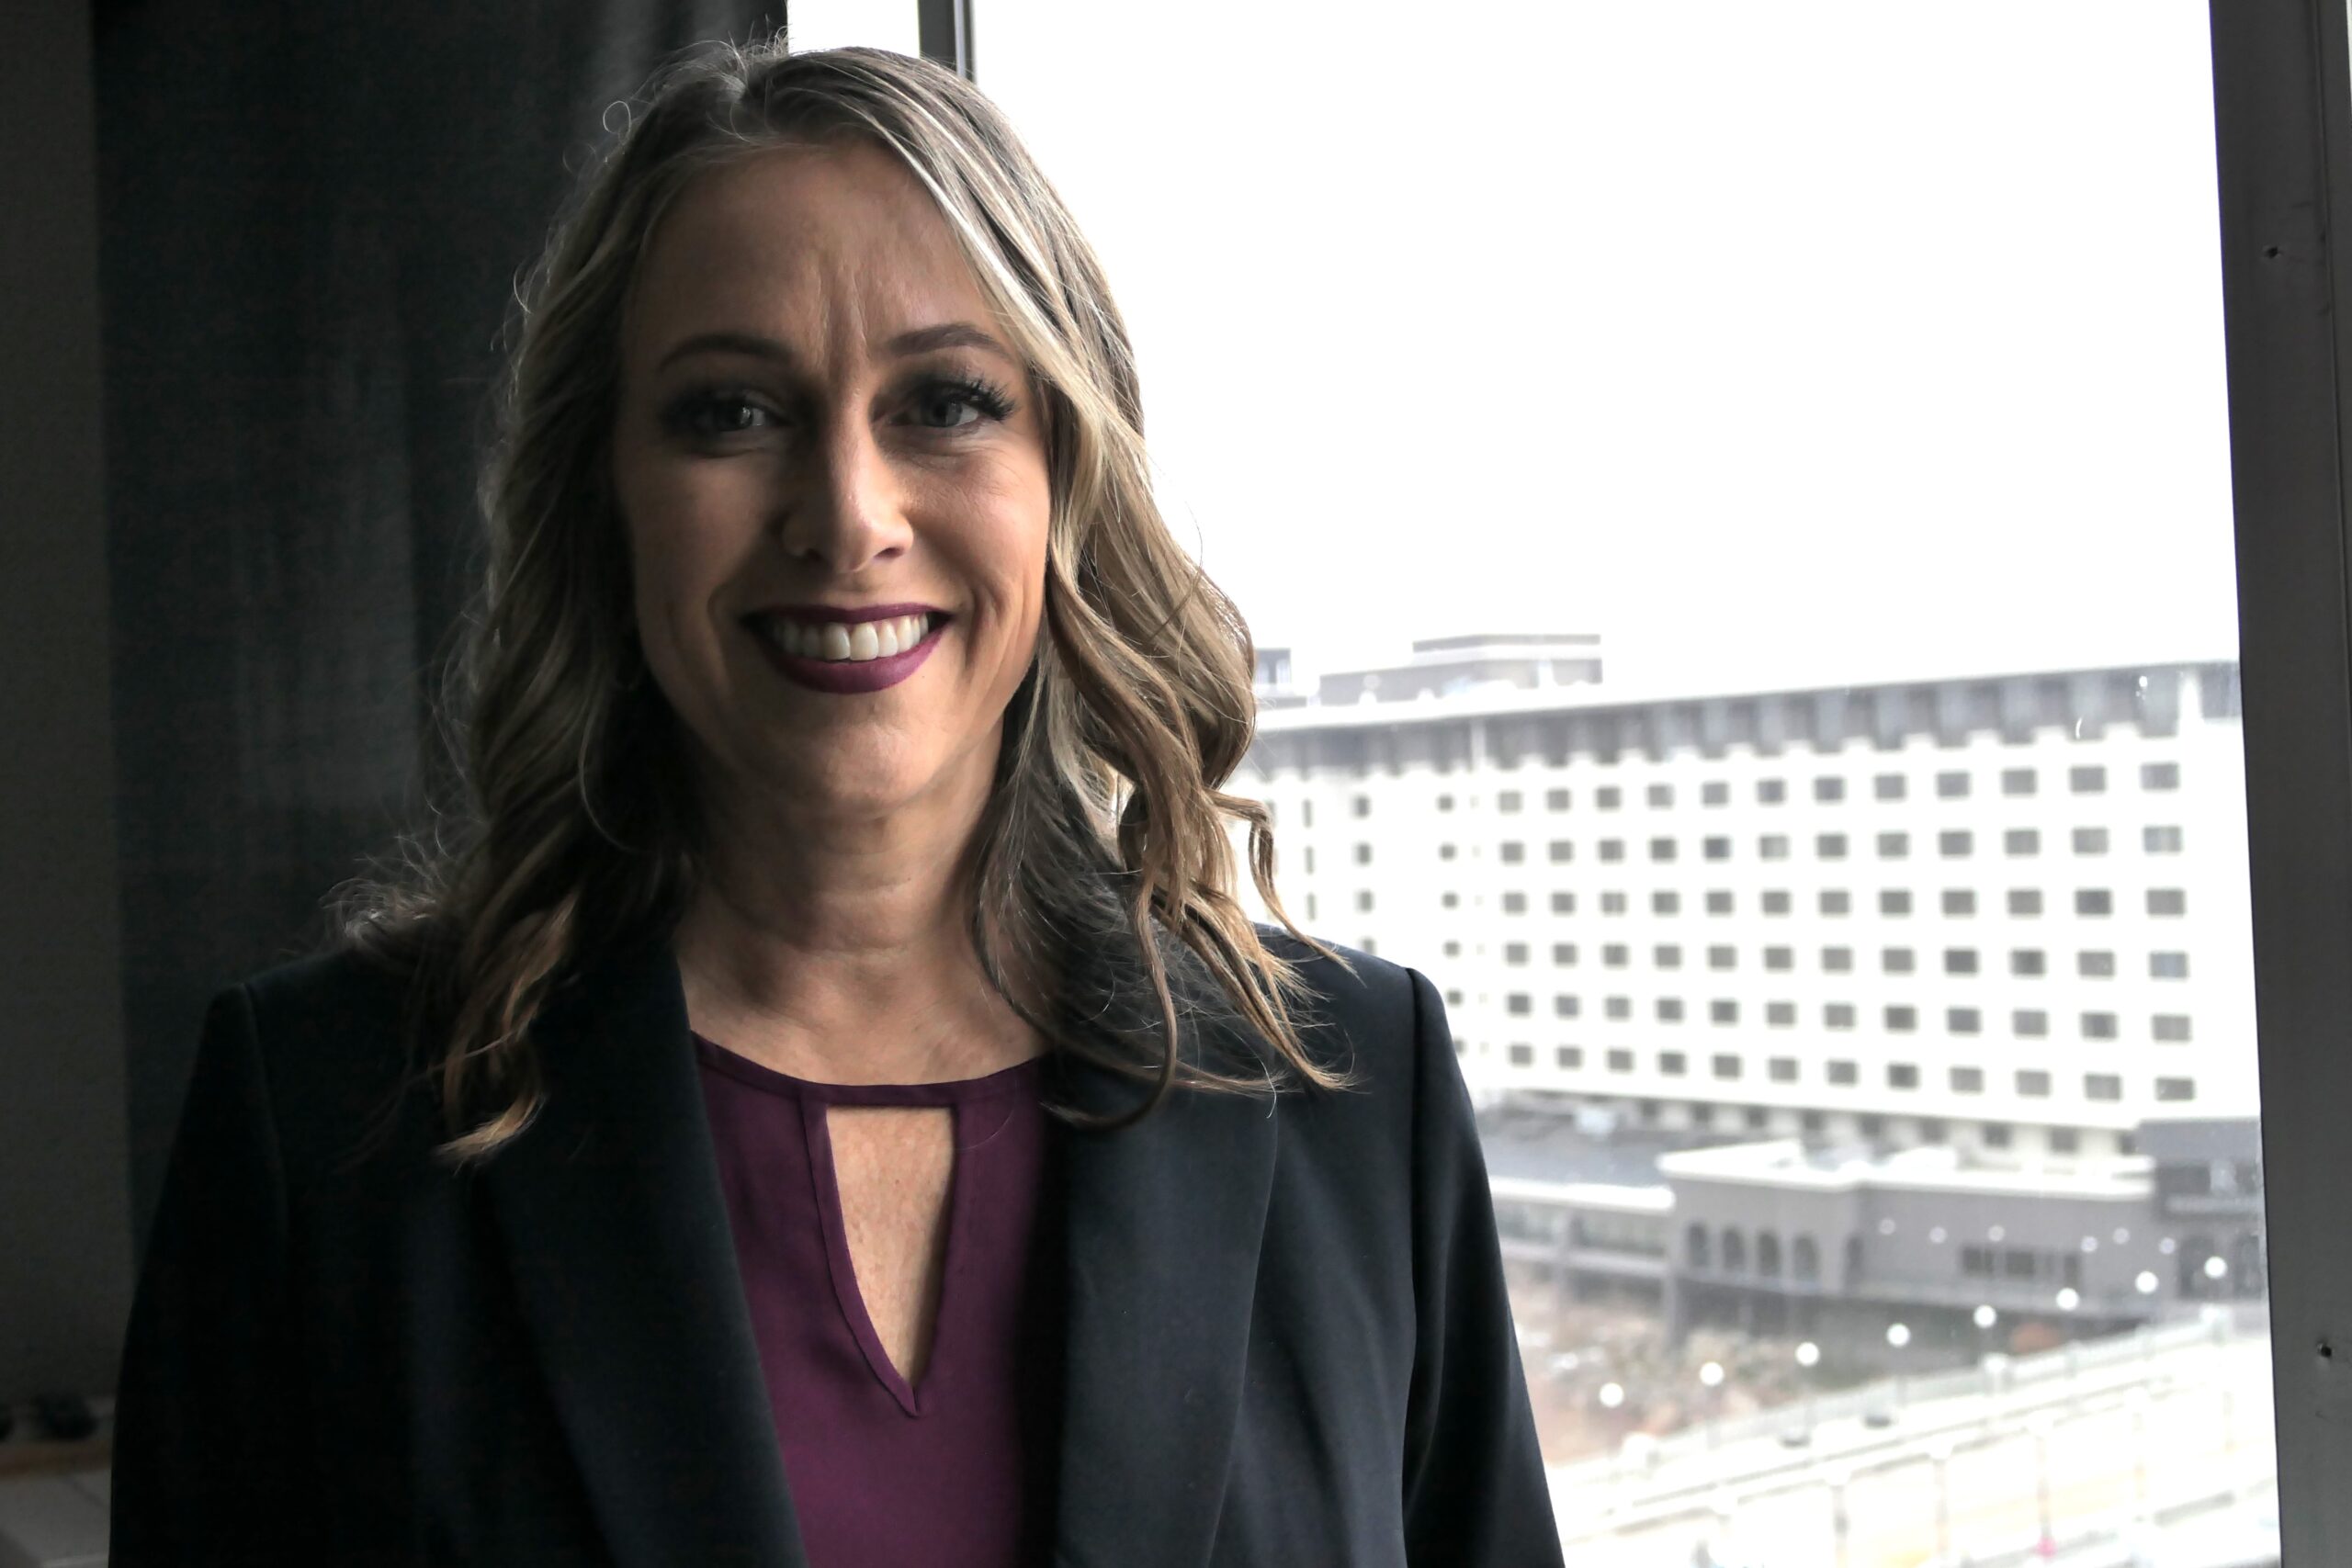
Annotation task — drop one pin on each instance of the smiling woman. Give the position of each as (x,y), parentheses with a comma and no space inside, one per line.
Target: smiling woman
(827,1106)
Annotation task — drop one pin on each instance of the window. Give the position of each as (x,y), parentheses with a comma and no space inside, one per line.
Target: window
(1565,1005)
(1715,793)
(1363,898)
(1960,961)
(1363,854)
(1896,960)
(1888,786)
(1828,787)
(1453,950)
(1902,1019)
(1363,805)
(1772,846)
(1564,952)
(2095,966)
(1661,848)
(1954,842)
(1837,1015)
(2160,841)
(1716,847)
(2098,1026)
(1719,903)
(1951,786)
(1608,797)
(1893,846)
(1612,848)
(1514,952)
(2169,966)
(1837,960)
(1722,1011)
(2172,1028)
(1667,955)
(2176,1088)
(1723,957)
(1673,1064)
(1660,794)
(2167,901)
(1522,1055)
(1829,846)
(1726,1065)
(1836,901)
(1779,958)
(1511,852)
(2102,1086)
(1613,954)
(1310,860)
(2160,775)
(1895,901)
(2021,842)
(1445,851)
(1507,800)
(1669,1009)
(1959,901)
(1570,1057)
(1902,1075)
(2029,1023)
(1843,1074)
(1446,803)
(1771,792)
(1613,903)
(1617,1008)
(1620,1060)
(2094,901)
(2033,1083)
(2088,779)
(1306,814)
(1968,1081)
(1555,800)
(1564,903)
(2018,781)
(1776,903)
(1781,1069)
(1562,850)
(1664,903)
(1781,1015)
(2064,1140)
(2026,961)
(1962,1021)
(2090,841)
(2025,900)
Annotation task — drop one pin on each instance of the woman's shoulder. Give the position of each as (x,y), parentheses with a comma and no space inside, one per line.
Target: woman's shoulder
(1377,1013)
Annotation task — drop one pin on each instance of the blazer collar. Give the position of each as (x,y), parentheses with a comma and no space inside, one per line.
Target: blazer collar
(615,1228)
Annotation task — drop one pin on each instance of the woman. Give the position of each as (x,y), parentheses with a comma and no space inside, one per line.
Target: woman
(828,1107)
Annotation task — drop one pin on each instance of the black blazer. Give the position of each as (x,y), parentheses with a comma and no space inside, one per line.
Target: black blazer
(1288,1341)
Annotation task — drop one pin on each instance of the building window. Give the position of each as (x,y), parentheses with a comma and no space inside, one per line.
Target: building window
(1612,848)
(1776,903)
(1507,800)
(1837,1015)
(1772,846)
(1564,952)
(1960,901)
(1962,1021)
(1512,852)
(1613,954)
(1555,800)
(1564,903)
(1828,787)
(1454,999)
(1895,901)
(1779,958)
(2025,900)
(1951,786)
(1869,1127)
(2098,1026)
(2018,781)
(1661,848)
(1310,860)
(1613,903)
(1836,901)
(1771,792)
(2090,779)
(1672,1063)
(1565,1005)
(2172,1028)
(1968,1081)
(1445,851)
(1837,960)
(1665,903)
(1618,1007)
(1783,1069)
(1363,805)
(1306,814)
(1522,1055)
(1660,794)
(1608,797)
(2033,1083)
(2176,1088)
(2160,775)
(2021,842)
(1726,1065)
(2169,966)
(1363,898)
(1563,851)
(2029,1023)
(1719,903)
(2102,1086)
(1902,1019)
(1515,953)
(2064,1140)
(2095,966)
(1893,846)
(1669,1009)
(1571,1057)
(1960,961)
(1453,950)
(1620,1060)
(1931,1130)
(2167,901)
(1954,842)
(1888,786)
(1720,958)
(1902,1075)
(2160,841)
(1781,1015)
(1715,794)
(1310,904)
(1842,1072)
(1722,1011)
(1518,1004)
(1363,854)
(1717,848)
(1829,846)
(2094,901)
(2026,961)
(2090,841)
(1667,955)
(1895,960)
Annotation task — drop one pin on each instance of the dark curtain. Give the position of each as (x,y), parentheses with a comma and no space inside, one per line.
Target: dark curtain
(312,219)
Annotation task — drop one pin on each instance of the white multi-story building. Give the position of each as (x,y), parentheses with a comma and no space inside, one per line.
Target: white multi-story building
(2006,911)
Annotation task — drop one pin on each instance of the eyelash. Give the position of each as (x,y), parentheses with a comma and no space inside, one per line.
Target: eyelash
(977,390)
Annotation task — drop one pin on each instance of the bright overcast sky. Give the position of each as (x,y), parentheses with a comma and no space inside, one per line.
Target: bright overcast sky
(1776,343)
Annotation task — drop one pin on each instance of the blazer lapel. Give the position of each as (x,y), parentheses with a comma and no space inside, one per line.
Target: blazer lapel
(618,1232)
(1164,1220)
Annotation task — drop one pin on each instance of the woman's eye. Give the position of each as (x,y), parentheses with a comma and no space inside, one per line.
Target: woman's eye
(712,413)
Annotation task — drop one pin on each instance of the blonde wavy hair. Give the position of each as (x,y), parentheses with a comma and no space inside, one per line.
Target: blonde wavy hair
(1102,857)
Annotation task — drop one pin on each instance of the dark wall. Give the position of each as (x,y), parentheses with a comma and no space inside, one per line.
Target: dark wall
(64,1231)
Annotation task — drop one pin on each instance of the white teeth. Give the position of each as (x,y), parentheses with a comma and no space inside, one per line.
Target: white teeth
(843,643)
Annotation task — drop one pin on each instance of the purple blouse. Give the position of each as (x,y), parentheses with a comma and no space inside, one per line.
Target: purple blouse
(959,1469)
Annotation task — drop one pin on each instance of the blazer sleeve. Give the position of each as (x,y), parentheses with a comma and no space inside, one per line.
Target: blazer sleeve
(209,1457)
(1476,1493)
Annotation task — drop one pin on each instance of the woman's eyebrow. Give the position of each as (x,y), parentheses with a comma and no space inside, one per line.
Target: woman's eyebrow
(918,340)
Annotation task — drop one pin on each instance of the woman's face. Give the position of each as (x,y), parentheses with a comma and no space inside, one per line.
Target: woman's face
(798,431)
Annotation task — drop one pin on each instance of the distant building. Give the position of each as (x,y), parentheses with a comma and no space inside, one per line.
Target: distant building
(2005,913)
